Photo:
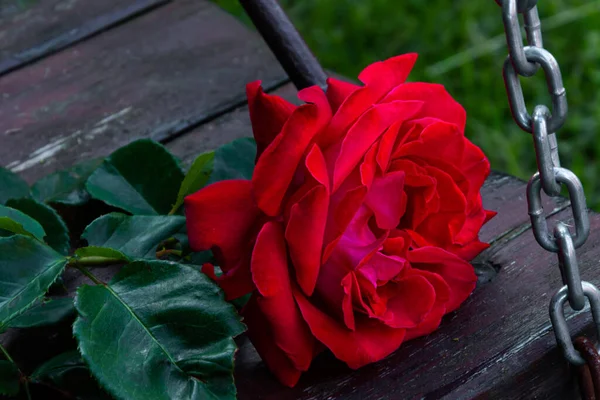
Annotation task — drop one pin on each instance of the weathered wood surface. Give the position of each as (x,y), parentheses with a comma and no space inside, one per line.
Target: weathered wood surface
(31,29)
(156,76)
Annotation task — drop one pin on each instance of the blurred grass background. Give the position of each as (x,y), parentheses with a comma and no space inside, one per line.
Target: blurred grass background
(461,45)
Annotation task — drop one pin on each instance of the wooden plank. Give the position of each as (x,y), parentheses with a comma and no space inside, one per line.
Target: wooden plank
(157,76)
(32,29)
(534,367)
(500,336)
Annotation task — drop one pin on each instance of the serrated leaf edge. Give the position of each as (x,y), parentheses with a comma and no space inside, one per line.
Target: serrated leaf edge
(28,306)
(84,355)
(61,222)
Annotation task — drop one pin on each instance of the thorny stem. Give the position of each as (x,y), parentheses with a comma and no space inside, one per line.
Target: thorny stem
(165,252)
(82,263)
(22,376)
(173,211)
(8,357)
(95,261)
(87,273)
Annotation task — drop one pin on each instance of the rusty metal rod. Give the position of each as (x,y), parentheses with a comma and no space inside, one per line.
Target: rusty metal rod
(285,42)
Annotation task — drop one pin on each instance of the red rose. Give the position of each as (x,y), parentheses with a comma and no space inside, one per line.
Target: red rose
(354,232)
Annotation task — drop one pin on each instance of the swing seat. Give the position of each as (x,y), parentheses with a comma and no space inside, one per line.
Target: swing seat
(79,82)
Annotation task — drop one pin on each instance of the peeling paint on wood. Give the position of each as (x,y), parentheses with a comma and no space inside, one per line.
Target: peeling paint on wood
(30,32)
(171,69)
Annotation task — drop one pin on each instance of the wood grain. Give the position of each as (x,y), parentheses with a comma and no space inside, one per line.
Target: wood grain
(157,76)
(31,29)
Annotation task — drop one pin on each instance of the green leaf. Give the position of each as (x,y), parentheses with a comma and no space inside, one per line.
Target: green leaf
(27,269)
(9,378)
(17,222)
(45,313)
(177,326)
(70,374)
(136,236)
(57,233)
(142,178)
(202,257)
(67,186)
(234,160)
(196,178)
(101,253)
(12,186)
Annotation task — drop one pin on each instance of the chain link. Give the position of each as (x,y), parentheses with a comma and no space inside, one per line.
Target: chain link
(525,61)
(522,5)
(555,89)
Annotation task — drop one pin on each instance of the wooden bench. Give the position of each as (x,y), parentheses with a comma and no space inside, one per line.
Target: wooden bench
(78,79)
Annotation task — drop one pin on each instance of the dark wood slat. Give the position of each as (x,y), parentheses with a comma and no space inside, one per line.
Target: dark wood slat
(31,30)
(498,338)
(536,367)
(156,76)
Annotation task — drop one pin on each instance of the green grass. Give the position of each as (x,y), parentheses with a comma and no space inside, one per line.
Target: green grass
(461,45)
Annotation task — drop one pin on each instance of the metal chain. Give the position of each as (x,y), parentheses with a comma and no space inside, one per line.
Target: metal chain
(526,61)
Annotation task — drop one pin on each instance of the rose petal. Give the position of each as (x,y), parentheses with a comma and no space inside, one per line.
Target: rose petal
(338,91)
(473,223)
(383,76)
(358,243)
(316,166)
(223,217)
(469,251)
(386,145)
(489,215)
(348,112)
(409,301)
(438,140)
(475,167)
(397,243)
(220,215)
(232,283)
(236,282)
(420,188)
(433,319)
(263,341)
(369,127)
(370,342)
(271,276)
(349,287)
(438,102)
(382,267)
(343,207)
(441,227)
(458,274)
(368,168)
(268,114)
(285,153)
(304,235)
(395,70)
(387,199)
